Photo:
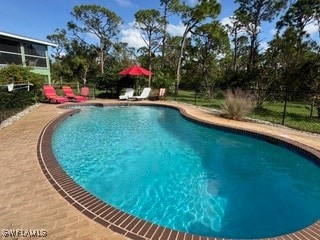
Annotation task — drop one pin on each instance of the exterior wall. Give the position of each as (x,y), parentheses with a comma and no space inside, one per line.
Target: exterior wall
(25,53)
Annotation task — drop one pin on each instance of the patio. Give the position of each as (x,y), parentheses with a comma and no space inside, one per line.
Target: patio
(28,200)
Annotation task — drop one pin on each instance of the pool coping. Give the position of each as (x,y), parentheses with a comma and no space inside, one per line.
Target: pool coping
(126,224)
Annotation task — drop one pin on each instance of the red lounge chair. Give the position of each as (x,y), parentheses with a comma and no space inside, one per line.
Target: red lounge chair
(50,94)
(85,92)
(68,92)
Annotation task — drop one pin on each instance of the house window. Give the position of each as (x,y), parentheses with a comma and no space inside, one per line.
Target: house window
(35,49)
(10,52)
(36,61)
(8,58)
(35,55)
(9,46)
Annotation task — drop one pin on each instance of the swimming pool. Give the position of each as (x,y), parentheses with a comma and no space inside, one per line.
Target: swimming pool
(152,163)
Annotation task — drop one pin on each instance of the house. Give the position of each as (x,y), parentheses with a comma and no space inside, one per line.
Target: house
(27,52)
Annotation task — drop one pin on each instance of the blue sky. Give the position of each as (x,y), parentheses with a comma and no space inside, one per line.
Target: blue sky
(39,18)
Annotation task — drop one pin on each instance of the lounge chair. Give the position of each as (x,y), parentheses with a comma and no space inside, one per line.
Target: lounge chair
(159,95)
(68,92)
(128,94)
(162,93)
(144,94)
(51,95)
(85,92)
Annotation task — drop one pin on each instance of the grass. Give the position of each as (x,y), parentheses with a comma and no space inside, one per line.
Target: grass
(189,97)
(297,114)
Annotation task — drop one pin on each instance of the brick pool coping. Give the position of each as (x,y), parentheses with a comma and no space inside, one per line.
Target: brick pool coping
(126,224)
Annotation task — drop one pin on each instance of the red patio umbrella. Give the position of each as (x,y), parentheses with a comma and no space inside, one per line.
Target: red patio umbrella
(135,70)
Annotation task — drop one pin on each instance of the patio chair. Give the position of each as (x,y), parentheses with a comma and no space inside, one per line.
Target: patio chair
(68,92)
(128,94)
(144,94)
(159,95)
(162,93)
(85,92)
(51,95)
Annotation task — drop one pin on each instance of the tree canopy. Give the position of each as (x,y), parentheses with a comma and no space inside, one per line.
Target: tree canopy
(206,56)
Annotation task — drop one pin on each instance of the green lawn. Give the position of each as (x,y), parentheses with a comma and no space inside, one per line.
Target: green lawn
(297,114)
(189,97)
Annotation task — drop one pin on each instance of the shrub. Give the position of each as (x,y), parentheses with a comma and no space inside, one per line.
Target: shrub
(19,98)
(162,80)
(238,104)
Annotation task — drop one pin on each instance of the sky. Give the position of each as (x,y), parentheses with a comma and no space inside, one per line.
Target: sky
(40,18)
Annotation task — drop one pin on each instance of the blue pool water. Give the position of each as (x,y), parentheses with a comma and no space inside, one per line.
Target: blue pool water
(154,164)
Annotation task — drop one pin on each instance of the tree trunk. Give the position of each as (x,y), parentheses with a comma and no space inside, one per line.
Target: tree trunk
(101,57)
(253,46)
(149,60)
(251,57)
(164,35)
(235,56)
(86,69)
(178,73)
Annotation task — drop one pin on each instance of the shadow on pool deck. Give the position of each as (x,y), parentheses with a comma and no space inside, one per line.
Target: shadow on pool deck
(28,200)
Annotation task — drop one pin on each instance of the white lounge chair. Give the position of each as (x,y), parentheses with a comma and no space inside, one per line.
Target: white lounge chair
(144,94)
(128,94)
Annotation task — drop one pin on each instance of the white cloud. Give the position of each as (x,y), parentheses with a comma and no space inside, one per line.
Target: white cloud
(193,2)
(312,27)
(273,32)
(132,37)
(264,46)
(124,3)
(226,21)
(176,30)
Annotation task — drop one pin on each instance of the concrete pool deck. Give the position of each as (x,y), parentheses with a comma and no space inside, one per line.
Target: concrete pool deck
(28,200)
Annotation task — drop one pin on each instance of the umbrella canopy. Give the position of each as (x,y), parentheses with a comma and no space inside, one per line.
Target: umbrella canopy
(135,70)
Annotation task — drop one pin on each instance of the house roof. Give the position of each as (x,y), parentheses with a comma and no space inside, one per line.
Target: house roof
(15,36)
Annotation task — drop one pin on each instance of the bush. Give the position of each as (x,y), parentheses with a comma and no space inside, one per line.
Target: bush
(238,104)
(162,80)
(19,98)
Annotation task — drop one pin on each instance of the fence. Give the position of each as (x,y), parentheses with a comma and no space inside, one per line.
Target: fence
(298,109)
(293,108)
(12,102)
(22,96)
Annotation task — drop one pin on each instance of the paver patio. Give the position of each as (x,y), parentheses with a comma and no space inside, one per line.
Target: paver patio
(28,200)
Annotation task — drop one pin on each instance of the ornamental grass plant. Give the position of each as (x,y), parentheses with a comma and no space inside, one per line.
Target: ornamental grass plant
(237,105)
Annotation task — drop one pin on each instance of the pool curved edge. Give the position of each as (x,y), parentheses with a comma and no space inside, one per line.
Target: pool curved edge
(126,224)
